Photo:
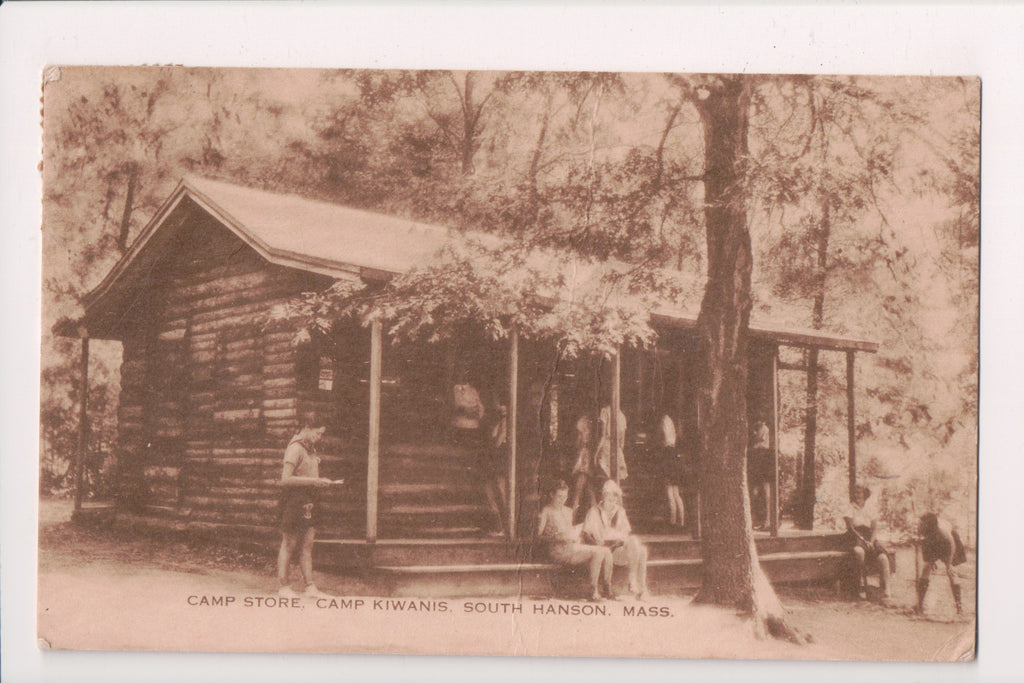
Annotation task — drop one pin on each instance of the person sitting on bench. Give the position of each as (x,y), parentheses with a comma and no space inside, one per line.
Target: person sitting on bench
(865,549)
(940,542)
(555,529)
(607,524)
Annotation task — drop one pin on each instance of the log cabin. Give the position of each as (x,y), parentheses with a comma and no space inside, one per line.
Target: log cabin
(212,389)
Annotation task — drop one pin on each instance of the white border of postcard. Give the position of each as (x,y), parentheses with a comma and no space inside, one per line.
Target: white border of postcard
(919,38)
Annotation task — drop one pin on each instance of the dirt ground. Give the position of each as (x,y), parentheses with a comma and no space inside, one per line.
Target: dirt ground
(100,589)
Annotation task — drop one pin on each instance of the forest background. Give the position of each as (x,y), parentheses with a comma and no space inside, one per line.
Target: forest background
(862,195)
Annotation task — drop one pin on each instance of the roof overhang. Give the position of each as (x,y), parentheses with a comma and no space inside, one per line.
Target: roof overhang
(787,336)
(115,290)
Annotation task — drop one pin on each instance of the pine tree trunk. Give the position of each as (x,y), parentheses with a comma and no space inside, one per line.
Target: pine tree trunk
(469,121)
(809,484)
(126,214)
(732,573)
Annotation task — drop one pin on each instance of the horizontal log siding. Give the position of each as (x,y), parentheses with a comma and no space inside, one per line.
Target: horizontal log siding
(234,405)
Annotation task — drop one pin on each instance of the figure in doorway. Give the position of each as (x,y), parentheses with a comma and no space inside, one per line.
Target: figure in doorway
(583,466)
(602,454)
(300,484)
(940,542)
(760,474)
(469,433)
(495,457)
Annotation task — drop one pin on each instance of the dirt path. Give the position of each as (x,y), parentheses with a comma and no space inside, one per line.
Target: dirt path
(99,590)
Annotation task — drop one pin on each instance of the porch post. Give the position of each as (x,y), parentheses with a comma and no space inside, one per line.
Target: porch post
(697,528)
(512,426)
(851,427)
(83,421)
(613,418)
(373,454)
(774,520)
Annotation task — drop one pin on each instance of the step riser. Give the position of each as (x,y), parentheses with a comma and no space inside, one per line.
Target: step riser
(496,552)
(547,583)
(537,584)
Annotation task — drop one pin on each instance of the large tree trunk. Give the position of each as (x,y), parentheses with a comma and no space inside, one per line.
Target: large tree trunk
(809,484)
(732,573)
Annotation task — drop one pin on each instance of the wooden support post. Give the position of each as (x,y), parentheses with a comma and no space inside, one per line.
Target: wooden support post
(774,521)
(613,418)
(513,429)
(640,407)
(83,423)
(851,426)
(697,528)
(373,453)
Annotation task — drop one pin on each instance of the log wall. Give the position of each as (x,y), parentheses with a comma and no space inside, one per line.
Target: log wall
(212,393)
(209,393)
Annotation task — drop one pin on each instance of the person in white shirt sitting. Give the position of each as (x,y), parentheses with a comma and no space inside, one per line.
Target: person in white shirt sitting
(862,538)
(607,524)
(562,540)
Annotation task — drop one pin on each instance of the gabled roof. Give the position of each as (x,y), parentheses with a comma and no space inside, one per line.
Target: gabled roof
(338,242)
(298,231)
(293,231)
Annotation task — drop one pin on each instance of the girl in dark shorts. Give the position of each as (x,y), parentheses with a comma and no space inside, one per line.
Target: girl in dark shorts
(298,510)
(940,542)
(300,479)
(670,468)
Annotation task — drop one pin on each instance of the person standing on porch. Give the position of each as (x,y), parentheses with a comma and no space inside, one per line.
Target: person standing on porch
(607,524)
(760,474)
(468,432)
(603,453)
(300,481)
(496,421)
(583,465)
(670,463)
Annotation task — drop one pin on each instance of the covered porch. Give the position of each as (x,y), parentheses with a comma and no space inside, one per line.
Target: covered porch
(426,516)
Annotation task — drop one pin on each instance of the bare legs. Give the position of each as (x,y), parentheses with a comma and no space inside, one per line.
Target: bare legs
(289,542)
(494,490)
(882,559)
(676,508)
(954,585)
(760,503)
(599,560)
(634,556)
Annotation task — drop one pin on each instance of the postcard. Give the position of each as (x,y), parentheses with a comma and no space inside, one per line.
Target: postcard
(541,363)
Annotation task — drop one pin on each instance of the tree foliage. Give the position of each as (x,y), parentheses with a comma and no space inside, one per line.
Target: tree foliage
(604,175)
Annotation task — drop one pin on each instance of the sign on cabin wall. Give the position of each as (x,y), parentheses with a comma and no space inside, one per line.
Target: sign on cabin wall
(325,381)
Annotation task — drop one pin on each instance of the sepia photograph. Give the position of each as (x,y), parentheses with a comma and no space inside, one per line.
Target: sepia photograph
(523,363)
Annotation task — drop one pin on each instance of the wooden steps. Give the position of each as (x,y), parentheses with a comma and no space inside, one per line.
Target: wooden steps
(431,490)
(494,567)
(665,576)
